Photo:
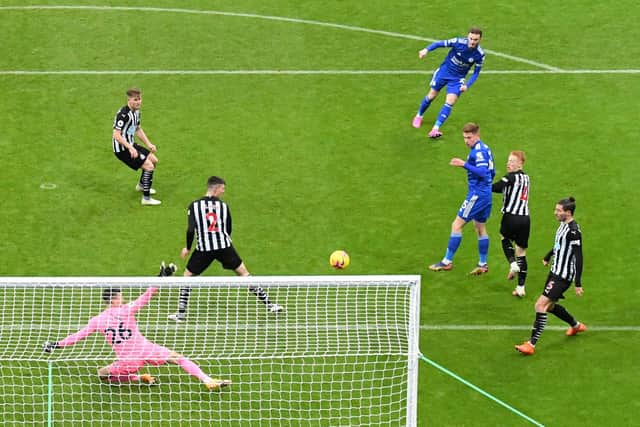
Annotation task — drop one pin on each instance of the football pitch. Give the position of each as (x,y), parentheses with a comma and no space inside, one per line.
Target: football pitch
(305,109)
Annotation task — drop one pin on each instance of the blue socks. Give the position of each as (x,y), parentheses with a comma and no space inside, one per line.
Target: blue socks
(423,106)
(453,245)
(483,248)
(443,115)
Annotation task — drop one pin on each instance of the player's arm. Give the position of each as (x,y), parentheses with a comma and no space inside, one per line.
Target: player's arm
(435,45)
(474,76)
(117,135)
(191,231)
(576,245)
(143,299)
(479,169)
(143,137)
(499,186)
(73,338)
(547,257)
(476,72)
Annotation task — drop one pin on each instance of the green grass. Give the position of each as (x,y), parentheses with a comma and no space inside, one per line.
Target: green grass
(321,162)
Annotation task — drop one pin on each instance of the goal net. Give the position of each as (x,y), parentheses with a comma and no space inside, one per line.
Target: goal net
(344,352)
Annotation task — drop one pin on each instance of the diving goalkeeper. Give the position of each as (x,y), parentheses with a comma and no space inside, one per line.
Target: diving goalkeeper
(118,325)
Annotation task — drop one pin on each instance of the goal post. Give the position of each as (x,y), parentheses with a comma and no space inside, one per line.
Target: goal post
(343,352)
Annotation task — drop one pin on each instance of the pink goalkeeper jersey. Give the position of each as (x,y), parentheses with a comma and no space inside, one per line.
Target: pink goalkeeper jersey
(120,329)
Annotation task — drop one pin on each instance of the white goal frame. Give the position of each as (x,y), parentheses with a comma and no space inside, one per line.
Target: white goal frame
(272,284)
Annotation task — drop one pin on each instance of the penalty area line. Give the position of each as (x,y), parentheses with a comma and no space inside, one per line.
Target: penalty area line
(292,72)
(479,390)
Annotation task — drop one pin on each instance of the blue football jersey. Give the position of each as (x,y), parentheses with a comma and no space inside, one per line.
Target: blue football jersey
(480,156)
(460,58)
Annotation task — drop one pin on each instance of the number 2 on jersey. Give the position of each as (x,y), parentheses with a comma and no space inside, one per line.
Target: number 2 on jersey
(212,219)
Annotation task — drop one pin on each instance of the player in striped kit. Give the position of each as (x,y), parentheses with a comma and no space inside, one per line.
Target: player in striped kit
(516,224)
(464,52)
(120,329)
(566,268)
(209,220)
(126,126)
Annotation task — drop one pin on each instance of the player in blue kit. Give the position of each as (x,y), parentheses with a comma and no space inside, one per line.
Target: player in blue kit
(463,53)
(477,206)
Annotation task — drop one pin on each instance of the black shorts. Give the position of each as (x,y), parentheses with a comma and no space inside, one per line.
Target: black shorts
(135,164)
(555,287)
(200,261)
(516,228)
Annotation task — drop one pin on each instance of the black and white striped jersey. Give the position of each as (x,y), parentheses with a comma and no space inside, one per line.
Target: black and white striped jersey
(127,122)
(514,187)
(210,221)
(567,252)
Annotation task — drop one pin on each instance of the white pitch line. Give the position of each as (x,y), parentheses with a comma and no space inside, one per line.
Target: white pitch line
(620,71)
(286,72)
(272,18)
(523,327)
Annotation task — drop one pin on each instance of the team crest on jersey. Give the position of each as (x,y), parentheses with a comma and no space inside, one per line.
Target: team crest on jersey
(470,59)
(479,156)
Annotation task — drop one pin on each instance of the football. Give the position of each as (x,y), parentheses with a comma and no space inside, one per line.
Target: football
(339,260)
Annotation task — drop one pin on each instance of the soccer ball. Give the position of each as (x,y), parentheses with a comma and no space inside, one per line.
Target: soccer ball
(339,260)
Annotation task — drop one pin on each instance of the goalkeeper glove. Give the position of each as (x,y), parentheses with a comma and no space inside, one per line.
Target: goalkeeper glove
(50,346)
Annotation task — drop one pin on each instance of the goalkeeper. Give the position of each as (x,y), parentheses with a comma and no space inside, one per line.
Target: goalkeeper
(118,325)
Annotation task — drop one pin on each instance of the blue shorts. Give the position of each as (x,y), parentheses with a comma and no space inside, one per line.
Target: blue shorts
(441,78)
(476,208)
